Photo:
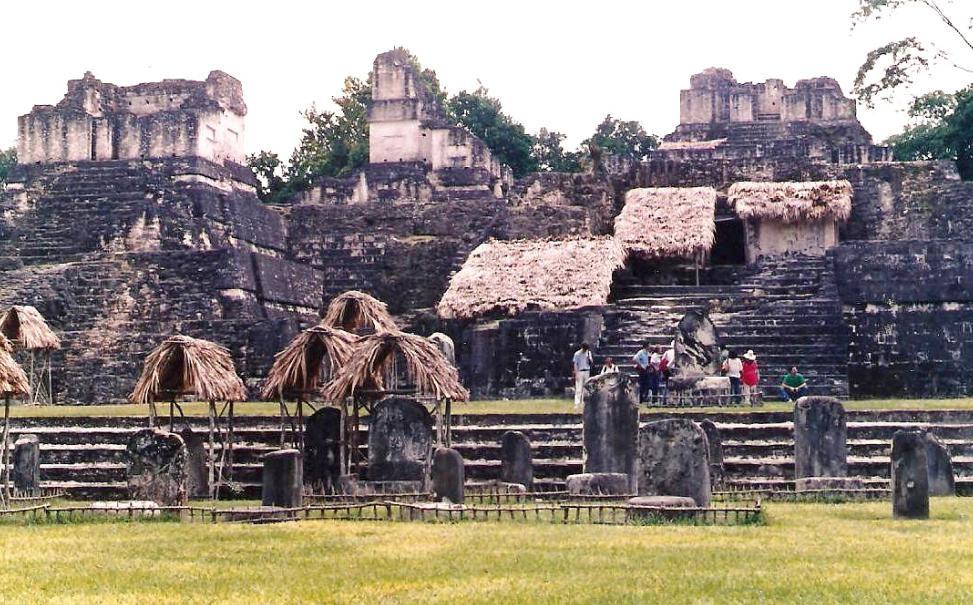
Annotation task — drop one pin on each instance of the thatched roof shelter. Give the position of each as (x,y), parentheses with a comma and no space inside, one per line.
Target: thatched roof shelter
(182,365)
(27,329)
(668,222)
(299,367)
(13,380)
(792,202)
(552,275)
(355,310)
(377,357)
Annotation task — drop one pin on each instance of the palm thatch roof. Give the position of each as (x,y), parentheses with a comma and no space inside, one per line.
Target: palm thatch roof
(377,358)
(182,365)
(27,329)
(551,275)
(355,310)
(668,222)
(299,367)
(792,202)
(13,380)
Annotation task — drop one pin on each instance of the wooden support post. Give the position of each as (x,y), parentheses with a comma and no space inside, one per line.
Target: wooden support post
(152,413)
(343,439)
(449,422)
(353,450)
(229,440)
(212,450)
(50,380)
(283,412)
(6,450)
(300,424)
(172,416)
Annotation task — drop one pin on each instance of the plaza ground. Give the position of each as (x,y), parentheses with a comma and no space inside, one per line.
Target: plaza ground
(805,553)
(517,406)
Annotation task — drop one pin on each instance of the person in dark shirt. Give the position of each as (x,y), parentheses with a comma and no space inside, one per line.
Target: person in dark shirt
(793,386)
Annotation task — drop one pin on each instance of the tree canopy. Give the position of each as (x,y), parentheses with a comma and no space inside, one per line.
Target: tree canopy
(8,159)
(335,143)
(942,128)
(896,64)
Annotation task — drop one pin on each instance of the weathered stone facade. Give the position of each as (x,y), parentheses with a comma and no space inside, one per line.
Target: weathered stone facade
(130,218)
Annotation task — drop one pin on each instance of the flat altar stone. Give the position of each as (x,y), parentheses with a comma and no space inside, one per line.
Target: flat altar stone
(663,501)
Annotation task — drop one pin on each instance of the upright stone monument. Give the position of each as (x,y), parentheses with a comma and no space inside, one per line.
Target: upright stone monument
(197,463)
(283,479)
(322,457)
(26,472)
(610,426)
(674,460)
(820,438)
(516,464)
(448,475)
(716,470)
(942,481)
(157,467)
(910,475)
(399,440)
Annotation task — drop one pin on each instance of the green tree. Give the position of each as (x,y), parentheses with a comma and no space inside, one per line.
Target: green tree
(942,128)
(483,115)
(271,175)
(334,143)
(894,65)
(618,137)
(551,156)
(8,159)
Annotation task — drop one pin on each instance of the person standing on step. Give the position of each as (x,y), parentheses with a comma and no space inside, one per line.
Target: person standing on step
(734,369)
(665,371)
(581,364)
(793,386)
(609,367)
(655,375)
(643,367)
(750,377)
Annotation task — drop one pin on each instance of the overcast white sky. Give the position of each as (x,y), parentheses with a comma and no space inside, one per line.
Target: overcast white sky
(559,65)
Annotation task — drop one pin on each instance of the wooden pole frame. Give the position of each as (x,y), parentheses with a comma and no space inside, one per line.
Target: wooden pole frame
(6,448)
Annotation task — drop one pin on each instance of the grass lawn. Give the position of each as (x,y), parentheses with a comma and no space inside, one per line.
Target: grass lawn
(806,553)
(518,406)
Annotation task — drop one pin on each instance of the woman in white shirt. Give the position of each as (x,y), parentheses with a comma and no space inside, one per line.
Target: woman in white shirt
(734,369)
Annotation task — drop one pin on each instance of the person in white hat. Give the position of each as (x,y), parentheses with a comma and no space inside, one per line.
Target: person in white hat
(750,376)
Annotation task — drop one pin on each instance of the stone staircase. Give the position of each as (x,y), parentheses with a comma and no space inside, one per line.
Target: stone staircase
(786,309)
(86,456)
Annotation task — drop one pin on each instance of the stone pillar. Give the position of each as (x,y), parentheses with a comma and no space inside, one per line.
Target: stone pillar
(516,465)
(716,471)
(448,475)
(910,475)
(322,456)
(399,440)
(942,482)
(197,463)
(26,465)
(820,438)
(156,467)
(610,426)
(283,479)
(674,460)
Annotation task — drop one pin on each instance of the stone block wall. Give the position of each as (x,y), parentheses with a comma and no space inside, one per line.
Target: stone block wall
(524,356)
(909,305)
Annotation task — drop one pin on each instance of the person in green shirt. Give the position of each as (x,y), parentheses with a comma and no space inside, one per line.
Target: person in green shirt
(793,386)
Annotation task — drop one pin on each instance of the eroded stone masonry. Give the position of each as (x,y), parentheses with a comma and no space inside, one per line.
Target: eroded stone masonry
(131,216)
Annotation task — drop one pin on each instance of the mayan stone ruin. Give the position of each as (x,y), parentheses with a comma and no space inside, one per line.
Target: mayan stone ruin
(130,216)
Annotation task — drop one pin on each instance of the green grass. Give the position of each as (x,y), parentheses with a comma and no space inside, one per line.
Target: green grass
(517,406)
(805,553)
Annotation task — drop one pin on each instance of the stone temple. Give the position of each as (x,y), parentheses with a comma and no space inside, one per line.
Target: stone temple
(131,216)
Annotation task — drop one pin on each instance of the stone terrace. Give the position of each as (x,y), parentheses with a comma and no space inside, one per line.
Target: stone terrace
(85,456)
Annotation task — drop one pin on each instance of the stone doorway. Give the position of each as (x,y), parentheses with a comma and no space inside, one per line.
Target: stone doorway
(730,246)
